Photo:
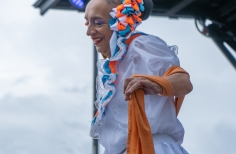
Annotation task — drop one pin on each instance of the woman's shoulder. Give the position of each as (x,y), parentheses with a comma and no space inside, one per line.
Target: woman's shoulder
(151,44)
(147,38)
(150,53)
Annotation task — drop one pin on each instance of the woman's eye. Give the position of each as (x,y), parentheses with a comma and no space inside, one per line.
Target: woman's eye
(99,22)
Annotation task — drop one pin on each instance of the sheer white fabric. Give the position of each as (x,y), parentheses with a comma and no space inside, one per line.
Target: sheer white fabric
(148,55)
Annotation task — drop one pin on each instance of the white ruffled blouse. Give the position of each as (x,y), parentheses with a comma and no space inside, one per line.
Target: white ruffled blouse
(148,55)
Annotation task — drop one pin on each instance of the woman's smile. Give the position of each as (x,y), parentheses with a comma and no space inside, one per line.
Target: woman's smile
(97,40)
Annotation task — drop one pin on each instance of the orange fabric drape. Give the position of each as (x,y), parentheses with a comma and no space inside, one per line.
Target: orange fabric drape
(139,132)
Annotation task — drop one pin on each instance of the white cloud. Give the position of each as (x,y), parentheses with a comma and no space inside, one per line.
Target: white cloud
(42,124)
(46,83)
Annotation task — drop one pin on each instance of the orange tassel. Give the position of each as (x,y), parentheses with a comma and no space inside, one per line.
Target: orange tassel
(120,26)
(129,20)
(127,1)
(135,6)
(139,1)
(119,14)
(136,18)
(120,7)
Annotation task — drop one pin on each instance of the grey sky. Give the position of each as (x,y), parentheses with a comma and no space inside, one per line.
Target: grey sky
(46,83)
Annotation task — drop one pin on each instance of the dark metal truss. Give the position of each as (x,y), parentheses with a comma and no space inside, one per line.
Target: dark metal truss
(220,13)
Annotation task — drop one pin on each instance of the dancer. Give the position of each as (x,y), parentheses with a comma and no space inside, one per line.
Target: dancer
(112,27)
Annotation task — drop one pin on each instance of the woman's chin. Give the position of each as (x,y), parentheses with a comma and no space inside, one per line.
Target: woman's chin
(99,50)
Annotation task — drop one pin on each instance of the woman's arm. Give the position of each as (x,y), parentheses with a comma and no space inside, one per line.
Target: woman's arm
(180,82)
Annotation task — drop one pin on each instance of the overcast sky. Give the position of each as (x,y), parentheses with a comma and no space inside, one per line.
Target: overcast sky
(46,83)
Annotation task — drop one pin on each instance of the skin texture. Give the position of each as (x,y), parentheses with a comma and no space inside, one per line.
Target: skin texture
(97,20)
(179,81)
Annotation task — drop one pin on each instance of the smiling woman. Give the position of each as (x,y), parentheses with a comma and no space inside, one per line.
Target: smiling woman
(132,61)
(97,20)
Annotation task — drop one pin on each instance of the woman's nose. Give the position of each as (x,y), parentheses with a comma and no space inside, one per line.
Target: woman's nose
(90,31)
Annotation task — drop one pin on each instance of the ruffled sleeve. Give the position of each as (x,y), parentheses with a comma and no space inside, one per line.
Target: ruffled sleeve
(152,56)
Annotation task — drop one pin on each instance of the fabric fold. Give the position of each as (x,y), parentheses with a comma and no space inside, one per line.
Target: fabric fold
(139,132)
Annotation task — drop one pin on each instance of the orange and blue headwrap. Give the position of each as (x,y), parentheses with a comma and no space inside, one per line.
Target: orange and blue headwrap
(126,17)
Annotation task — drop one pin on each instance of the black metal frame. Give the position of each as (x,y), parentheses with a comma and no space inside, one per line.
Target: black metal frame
(220,38)
(95,73)
(220,34)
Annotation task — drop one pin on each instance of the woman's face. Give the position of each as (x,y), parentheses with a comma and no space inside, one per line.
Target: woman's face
(97,19)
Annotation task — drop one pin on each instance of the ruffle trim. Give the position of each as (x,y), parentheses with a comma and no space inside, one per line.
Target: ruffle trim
(106,80)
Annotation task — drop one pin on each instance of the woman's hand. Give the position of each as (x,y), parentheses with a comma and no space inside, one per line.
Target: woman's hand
(134,83)
(180,82)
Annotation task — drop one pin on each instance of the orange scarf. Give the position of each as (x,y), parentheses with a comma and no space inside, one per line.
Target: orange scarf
(139,132)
